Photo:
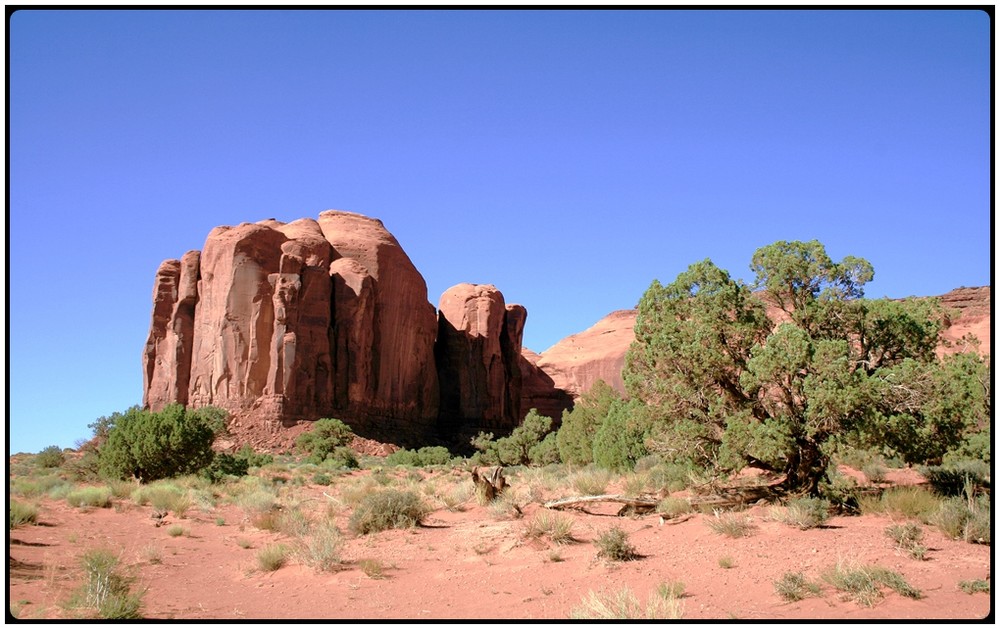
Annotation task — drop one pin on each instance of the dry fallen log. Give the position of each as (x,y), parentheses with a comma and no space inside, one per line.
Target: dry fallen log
(632,504)
(489,485)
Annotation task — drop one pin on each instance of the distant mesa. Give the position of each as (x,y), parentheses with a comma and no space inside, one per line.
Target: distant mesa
(283,322)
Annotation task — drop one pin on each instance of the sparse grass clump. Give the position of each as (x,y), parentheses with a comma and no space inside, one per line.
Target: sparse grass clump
(731,524)
(89,497)
(974,586)
(803,513)
(907,537)
(373,568)
(726,562)
(387,509)
(557,528)
(591,482)
(613,545)
(794,586)
(163,497)
(176,530)
(321,549)
(273,557)
(106,589)
(863,584)
(624,605)
(910,502)
(672,507)
(966,519)
(21,513)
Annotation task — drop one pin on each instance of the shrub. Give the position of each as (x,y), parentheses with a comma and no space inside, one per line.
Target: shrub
(163,497)
(327,439)
(150,446)
(106,589)
(545,452)
(726,562)
(967,519)
(591,481)
(514,449)
(613,545)
(386,510)
(673,507)
(977,585)
(731,524)
(907,537)
(793,586)
(319,478)
(952,479)
(52,456)
(21,514)
(620,440)
(575,438)
(321,549)
(804,513)
(911,502)
(863,583)
(90,497)
(272,557)
(557,528)
(237,464)
(428,455)
(373,568)
(624,605)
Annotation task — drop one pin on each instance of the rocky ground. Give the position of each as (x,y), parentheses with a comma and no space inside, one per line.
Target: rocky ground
(475,562)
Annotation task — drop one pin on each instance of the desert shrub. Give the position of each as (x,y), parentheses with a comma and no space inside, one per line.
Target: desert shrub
(975,445)
(624,605)
(614,545)
(106,589)
(911,502)
(726,562)
(319,478)
(455,498)
(272,557)
(557,528)
(907,537)
(731,524)
(620,440)
(545,452)
(373,568)
(52,456)
(591,481)
(794,586)
(974,586)
(321,549)
(328,440)
(21,514)
(386,510)
(672,476)
(89,497)
(863,584)
(804,513)
(153,445)
(952,479)
(176,531)
(575,437)
(163,497)
(237,464)
(967,519)
(874,472)
(32,487)
(516,448)
(428,455)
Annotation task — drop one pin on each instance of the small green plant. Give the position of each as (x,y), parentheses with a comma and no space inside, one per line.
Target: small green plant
(152,554)
(614,545)
(863,583)
(243,543)
(321,478)
(106,589)
(968,519)
(591,482)
(731,524)
(907,537)
(21,514)
(555,556)
(874,472)
(974,586)
(952,479)
(672,507)
(428,455)
(387,509)
(909,502)
(220,521)
(328,440)
(794,586)
(176,530)
(90,497)
(726,562)
(557,528)
(272,557)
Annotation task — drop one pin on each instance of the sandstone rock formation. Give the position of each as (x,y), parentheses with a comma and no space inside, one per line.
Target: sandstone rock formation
(296,321)
(478,345)
(973,308)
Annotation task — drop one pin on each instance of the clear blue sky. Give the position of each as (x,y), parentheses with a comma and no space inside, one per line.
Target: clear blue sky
(568,157)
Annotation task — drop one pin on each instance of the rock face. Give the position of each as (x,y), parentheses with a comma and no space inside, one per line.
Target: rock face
(278,322)
(479,341)
(973,307)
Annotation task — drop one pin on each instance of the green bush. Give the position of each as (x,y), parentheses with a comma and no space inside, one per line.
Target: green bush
(517,448)
(794,586)
(620,441)
(319,478)
(150,446)
(428,455)
(387,510)
(545,452)
(613,545)
(575,438)
(51,456)
(951,479)
(327,440)
(108,590)
(90,497)
(237,464)
(805,513)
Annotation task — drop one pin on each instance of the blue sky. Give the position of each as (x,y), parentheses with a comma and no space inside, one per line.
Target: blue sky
(568,157)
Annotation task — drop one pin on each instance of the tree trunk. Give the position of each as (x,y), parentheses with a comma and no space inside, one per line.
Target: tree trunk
(489,485)
(806,468)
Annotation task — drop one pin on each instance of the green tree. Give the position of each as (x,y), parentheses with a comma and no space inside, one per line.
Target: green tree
(575,437)
(731,386)
(620,440)
(522,447)
(328,439)
(152,445)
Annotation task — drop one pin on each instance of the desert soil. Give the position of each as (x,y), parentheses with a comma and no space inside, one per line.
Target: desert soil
(469,564)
